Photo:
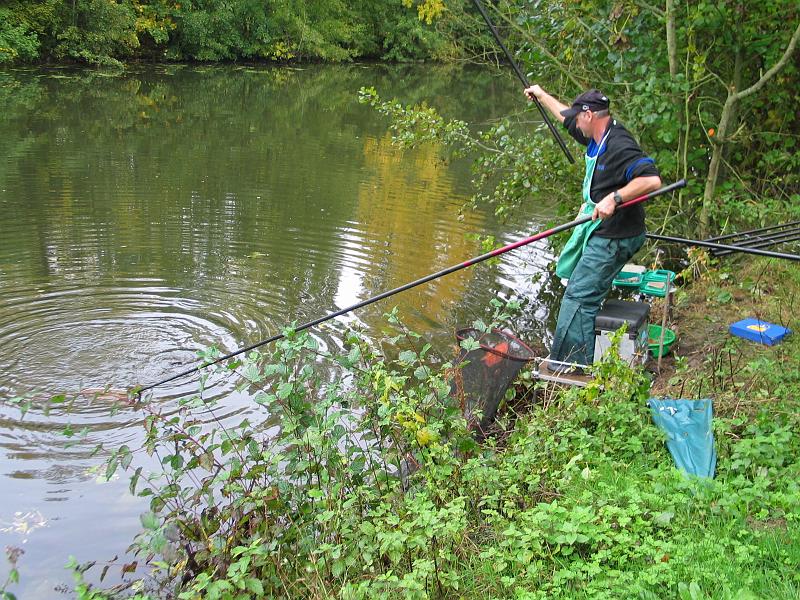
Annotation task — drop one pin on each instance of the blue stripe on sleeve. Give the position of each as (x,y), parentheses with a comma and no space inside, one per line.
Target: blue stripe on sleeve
(641,161)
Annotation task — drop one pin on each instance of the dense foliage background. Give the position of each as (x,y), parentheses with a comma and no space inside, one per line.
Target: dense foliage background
(106,31)
(710,87)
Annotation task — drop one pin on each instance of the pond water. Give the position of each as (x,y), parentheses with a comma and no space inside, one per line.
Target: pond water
(152,213)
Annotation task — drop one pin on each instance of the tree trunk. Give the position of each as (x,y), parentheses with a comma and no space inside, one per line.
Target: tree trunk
(728,111)
(672,46)
(678,98)
(718,146)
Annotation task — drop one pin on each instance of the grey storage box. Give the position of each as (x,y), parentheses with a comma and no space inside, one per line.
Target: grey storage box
(633,347)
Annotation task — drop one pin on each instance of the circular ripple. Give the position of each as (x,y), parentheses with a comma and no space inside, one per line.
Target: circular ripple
(66,340)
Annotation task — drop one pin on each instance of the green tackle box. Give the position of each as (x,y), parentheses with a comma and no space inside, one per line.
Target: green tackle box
(631,276)
(657,283)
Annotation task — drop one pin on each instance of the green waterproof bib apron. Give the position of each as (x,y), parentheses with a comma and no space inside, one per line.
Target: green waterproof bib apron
(573,251)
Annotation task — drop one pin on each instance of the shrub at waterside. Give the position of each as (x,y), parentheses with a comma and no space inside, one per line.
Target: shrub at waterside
(701,84)
(108,31)
(371,486)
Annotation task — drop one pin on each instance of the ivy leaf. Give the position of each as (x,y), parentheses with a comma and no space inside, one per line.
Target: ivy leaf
(337,568)
(252,373)
(135,480)
(354,355)
(111,468)
(206,460)
(284,390)
(480,325)
(126,458)
(367,528)
(254,585)
(357,466)
(422,373)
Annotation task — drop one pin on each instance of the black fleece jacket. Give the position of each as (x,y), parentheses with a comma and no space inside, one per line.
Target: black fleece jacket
(621,159)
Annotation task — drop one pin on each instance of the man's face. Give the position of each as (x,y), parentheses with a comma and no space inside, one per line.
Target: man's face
(584,122)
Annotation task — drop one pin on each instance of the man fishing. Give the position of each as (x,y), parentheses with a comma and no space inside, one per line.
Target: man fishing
(617,170)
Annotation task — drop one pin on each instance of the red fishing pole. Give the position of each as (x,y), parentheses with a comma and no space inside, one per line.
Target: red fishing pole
(408,286)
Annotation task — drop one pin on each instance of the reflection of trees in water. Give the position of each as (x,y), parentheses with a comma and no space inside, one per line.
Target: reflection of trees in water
(415,246)
(178,171)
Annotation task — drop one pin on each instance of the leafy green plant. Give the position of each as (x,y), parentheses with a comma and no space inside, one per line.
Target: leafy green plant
(105,32)
(12,557)
(370,485)
(17,41)
(509,168)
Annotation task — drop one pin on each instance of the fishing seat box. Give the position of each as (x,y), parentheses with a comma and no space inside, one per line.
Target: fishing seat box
(633,346)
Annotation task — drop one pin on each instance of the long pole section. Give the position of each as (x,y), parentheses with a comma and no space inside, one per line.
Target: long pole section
(788,235)
(524,81)
(408,286)
(750,232)
(702,244)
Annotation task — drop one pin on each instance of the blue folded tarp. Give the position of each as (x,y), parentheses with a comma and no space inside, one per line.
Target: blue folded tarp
(690,438)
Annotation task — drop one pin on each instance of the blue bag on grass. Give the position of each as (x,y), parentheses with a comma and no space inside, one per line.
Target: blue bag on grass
(690,438)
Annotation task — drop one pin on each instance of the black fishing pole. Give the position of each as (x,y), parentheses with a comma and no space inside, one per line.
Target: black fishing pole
(767,236)
(750,232)
(468,263)
(524,81)
(786,237)
(750,238)
(704,244)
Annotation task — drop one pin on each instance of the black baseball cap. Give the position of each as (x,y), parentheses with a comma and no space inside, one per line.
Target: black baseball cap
(593,100)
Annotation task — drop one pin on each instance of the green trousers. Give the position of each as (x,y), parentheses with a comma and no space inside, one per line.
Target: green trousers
(602,260)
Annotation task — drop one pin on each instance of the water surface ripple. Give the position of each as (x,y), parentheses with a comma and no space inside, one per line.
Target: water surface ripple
(152,214)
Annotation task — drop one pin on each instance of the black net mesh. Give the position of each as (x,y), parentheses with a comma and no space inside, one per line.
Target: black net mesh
(481,383)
